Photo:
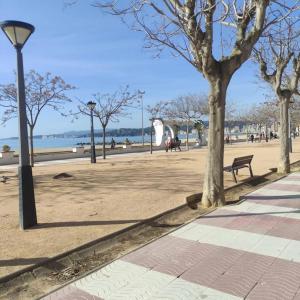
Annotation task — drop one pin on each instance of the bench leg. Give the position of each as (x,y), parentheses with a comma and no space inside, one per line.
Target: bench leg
(250,169)
(233,175)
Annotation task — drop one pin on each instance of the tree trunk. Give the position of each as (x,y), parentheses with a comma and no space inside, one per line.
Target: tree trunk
(284,161)
(187,135)
(103,143)
(213,187)
(260,133)
(31,146)
(200,137)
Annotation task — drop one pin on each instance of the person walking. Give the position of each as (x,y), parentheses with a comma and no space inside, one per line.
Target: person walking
(112,144)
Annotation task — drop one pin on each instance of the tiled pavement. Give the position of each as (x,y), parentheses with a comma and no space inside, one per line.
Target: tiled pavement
(246,251)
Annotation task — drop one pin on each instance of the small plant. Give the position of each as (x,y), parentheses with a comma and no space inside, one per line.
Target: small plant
(5,148)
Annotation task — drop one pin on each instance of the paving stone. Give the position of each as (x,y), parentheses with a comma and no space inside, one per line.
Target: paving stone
(246,251)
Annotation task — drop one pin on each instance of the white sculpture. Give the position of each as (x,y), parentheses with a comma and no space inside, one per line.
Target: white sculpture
(160,131)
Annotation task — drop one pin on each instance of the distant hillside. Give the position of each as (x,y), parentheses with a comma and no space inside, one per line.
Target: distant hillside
(126,132)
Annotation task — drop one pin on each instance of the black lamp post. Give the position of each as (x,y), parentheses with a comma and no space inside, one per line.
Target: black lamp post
(151,139)
(91,105)
(141,94)
(18,33)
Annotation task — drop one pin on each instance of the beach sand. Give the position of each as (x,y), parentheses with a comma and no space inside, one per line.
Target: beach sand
(105,197)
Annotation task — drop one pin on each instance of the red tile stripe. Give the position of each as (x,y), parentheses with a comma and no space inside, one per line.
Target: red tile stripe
(262,224)
(231,271)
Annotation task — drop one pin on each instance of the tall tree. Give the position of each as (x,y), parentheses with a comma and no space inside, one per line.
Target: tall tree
(279,58)
(110,107)
(190,28)
(42,92)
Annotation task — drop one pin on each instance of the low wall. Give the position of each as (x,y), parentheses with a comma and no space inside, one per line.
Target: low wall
(41,157)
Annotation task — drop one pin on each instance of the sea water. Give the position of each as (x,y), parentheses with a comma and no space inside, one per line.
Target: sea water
(51,142)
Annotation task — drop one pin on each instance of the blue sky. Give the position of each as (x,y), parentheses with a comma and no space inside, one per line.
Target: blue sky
(96,53)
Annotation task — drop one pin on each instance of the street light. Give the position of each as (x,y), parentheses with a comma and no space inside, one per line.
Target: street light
(18,33)
(142,93)
(91,105)
(151,139)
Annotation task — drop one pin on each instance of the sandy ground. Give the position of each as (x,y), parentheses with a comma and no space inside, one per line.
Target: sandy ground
(100,199)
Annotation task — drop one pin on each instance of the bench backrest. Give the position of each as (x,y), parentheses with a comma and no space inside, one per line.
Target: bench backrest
(243,160)
(175,143)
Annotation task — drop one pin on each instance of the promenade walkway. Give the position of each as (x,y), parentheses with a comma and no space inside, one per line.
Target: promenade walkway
(245,251)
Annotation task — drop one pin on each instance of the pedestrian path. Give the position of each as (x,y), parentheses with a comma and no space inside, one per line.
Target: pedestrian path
(245,251)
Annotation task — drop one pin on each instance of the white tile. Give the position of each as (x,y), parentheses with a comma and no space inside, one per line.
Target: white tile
(270,246)
(180,289)
(275,211)
(291,252)
(211,294)
(194,233)
(241,240)
(230,238)
(286,181)
(112,277)
(186,227)
(143,287)
(268,191)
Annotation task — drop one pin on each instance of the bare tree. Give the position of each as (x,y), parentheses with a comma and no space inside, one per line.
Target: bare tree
(279,58)
(269,112)
(158,110)
(199,126)
(230,116)
(256,117)
(260,115)
(188,28)
(295,114)
(185,109)
(110,107)
(42,92)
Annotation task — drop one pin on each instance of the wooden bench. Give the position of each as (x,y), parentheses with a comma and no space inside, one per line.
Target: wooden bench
(239,163)
(173,145)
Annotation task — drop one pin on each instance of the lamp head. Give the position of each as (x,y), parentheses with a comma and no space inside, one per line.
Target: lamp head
(17,32)
(91,105)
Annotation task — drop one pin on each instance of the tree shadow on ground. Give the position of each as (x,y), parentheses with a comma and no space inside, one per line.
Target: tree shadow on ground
(21,261)
(84,223)
(255,180)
